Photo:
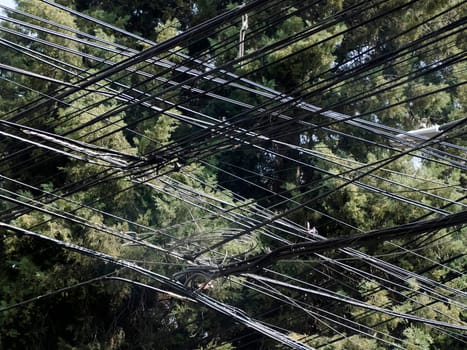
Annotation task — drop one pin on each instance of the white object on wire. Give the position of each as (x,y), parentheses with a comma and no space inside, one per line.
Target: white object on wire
(243,29)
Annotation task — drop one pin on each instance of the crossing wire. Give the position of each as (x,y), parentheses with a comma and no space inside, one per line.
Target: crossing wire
(269,111)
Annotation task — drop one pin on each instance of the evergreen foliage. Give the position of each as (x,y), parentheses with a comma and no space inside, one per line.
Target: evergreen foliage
(190,209)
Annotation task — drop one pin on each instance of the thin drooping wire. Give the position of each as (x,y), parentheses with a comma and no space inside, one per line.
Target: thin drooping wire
(159,50)
(373,167)
(228,73)
(348,300)
(213,304)
(148,53)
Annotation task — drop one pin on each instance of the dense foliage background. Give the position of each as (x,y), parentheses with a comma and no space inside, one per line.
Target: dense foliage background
(321,69)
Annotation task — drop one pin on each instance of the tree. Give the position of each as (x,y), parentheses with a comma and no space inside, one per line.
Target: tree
(369,64)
